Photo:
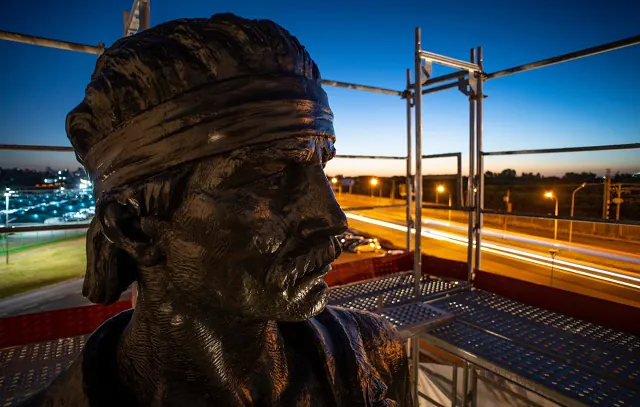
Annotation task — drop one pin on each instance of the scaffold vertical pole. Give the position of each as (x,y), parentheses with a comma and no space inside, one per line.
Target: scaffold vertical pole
(409,187)
(417,260)
(470,181)
(459,188)
(417,102)
(145,15)
(480,160)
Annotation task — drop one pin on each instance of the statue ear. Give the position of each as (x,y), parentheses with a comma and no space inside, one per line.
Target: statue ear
(110,271)
(123,226)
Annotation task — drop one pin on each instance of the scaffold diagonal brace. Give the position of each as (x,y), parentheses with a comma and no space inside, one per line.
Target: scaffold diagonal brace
(427,72)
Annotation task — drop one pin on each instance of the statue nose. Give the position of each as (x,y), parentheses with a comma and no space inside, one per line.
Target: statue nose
(322,213)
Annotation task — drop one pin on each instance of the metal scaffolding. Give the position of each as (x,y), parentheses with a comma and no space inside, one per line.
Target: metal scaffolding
(469,79)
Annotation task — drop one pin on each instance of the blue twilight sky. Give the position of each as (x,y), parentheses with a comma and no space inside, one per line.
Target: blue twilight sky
(586,102)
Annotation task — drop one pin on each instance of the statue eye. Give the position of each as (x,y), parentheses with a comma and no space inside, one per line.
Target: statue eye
(250,175)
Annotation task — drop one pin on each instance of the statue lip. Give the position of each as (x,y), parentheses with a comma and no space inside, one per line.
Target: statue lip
(312,278)
(315,263)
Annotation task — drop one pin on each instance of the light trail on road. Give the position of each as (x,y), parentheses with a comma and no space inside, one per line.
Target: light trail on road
(518,254)
(523,239)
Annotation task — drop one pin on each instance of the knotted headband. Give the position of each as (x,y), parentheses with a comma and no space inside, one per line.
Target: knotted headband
(212,119)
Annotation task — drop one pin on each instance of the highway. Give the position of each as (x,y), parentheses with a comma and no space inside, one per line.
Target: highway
(591,270)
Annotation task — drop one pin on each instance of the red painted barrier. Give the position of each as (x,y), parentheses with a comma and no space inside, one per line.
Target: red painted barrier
(445,268)
(32,328)
(613,315)
(43,326)
(344,273)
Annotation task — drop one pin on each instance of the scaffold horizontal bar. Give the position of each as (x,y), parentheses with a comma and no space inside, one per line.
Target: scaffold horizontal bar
(442,207)
(91,49)
(629,146)
(560,217)
(366,88)
(371,157)
(440,176)
(364,208)
(441,78)
(20,147)
(443,155)
(611,46)
(44,228)
(47,42)
(448,61)
(439,88)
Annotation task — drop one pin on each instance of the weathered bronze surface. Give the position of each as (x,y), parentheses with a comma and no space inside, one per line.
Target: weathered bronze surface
(206,140)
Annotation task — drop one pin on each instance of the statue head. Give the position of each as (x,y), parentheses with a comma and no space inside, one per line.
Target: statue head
(206,141)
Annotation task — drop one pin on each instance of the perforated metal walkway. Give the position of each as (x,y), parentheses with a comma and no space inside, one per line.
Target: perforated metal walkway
(25,369)
(571,361)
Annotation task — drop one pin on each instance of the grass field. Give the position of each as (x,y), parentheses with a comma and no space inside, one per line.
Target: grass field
(41,266)
(54,262)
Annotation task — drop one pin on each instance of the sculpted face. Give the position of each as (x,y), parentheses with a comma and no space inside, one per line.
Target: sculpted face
(254,236)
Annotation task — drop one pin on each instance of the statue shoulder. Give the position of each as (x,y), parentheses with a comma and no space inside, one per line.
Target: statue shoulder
(380,339)
(372,327)
(383,346)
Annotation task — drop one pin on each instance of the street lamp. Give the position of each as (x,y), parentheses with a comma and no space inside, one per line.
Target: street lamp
(573,200)
(335,185)
(439,189)
(550,195)
(373,182)
(7,194)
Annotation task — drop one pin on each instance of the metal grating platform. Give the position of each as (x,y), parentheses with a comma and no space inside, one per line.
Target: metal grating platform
(387,291)
(578,327)
(25,369)
(415,318)
(393,298)
(544,348)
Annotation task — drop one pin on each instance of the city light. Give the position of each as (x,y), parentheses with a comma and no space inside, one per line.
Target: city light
(549,195)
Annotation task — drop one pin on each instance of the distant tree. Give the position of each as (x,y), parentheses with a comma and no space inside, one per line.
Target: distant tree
(508,173)
(579,177)
(490,174)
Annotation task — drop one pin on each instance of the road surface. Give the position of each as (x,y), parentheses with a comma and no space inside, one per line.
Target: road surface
(616,277)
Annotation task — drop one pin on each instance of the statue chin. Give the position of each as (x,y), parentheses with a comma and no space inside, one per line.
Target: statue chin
(312,304)
(213,197)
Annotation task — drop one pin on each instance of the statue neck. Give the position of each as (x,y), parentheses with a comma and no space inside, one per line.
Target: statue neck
(168,353)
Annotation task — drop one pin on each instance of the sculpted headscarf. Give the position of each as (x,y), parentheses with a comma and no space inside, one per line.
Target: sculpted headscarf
(180,92)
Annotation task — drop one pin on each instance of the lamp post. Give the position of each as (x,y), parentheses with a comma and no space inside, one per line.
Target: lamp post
(334,183)
(7,194)
(439,189)
(550,195)
(573,201)
(374,182)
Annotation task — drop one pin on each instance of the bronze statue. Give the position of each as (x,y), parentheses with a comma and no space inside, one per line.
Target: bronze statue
(206,140)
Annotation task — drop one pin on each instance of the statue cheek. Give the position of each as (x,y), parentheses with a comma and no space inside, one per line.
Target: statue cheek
(269,237)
